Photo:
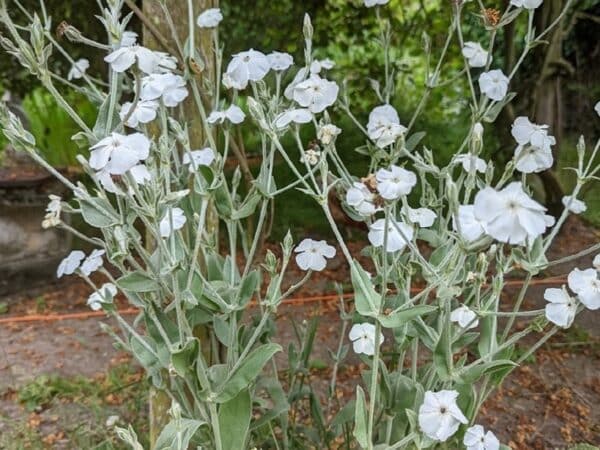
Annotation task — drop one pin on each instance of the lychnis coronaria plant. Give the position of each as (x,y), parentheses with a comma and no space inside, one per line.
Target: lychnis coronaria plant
(180,236)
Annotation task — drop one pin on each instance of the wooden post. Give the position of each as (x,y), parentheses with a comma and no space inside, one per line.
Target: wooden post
(159,402)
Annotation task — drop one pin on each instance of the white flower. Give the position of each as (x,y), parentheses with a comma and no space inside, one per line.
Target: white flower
(93,262)
(297,116)
(384,126)
(524,131)
(105,294)
(362,336)
(123,58)
(165,63)
(362,199)
(464,317)
(510,215)
(394,182)
(396,234)
(173,220)
(140,174)
(78,69)
(328,133)
(111,421)
(477,439)
(209,18)
(469,227)
(562,307)
(311,156)
(311,254)
(70,264)
(494,84)
(196,158)
(247,66)
(105,179)
(316,93)
(128,38)
(234,114)
(478,131)
(117,153)
(527,4)
(144,112)
(475,54)
(533,159)
(471,162)
(174,90)
(422,216)
(574,205)
(371,3)
(597,108)
(586,285)
(280,61)
(439,415)
(298,78)
(596,262)
(53,210)
(317,65)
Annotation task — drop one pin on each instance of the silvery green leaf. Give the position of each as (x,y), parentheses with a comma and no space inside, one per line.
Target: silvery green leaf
(137,282)
(98,212)
(223,202)
(183,360)
(129,437)
(177,434)
(366,299)
(413,140)
(474,373)
(360,419)
(248,288)
(399,318)
(246,372)
(492,114)
(222,330)
(100,127)
(175,197)
(234,420)
(247,208)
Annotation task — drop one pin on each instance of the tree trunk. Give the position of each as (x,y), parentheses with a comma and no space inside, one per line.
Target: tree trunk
(159,400)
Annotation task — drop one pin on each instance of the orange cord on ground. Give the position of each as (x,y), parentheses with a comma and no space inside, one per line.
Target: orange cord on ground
(552,281)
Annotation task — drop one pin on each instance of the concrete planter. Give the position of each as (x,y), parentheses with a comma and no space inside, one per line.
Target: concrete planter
(29,254)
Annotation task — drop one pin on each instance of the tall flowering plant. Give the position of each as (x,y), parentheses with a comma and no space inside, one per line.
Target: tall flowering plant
(152,193)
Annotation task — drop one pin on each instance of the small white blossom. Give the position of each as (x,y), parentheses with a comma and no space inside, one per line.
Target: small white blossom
(586,285)
(477,439)
(234,114)
(527,4)
(107,182)
(70,264)
(173,220)
(144,112)
(561,308)
(117,153)
(53,210)
(524,131)
(362,199)
(574,205)
(464,317)
(105,294)
(494,84)
(439,415)
(280,61)
(597,108)
(395,182)
(424,217)
(471,162)
(478,132)
(78,69)
(123,58)
(197,158)
(475,54)
(321,64)
(311,157)
(170,88)
(209,18)
(316,93)
(128,38)
(371,3)
(297,116)
(140,174)
(311,254)
(398,235)
(328,133)
(533,159)
(469,227)
(596,262)
(362,336)
(384,126)
(247,66)
(93,262)
(510,215)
